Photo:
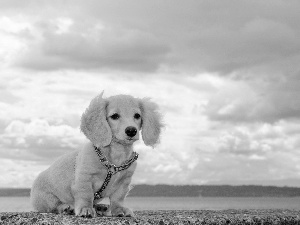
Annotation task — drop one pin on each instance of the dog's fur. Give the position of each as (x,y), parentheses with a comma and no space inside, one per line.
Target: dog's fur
(70,183)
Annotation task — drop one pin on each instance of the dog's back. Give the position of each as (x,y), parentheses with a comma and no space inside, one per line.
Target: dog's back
(53,185)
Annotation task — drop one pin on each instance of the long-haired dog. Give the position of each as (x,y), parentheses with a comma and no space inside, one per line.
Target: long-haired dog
(112,125)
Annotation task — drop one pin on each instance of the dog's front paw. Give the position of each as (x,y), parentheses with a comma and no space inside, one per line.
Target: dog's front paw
(122,211)
(128,212)
(102,210)
(86,212)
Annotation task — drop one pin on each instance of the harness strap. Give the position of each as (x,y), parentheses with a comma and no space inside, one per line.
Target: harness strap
(111,169)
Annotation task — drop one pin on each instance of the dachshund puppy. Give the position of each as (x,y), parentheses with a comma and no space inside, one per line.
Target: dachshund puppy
(112,125)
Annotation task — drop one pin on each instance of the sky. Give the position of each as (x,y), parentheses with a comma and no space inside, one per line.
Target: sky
(225,74)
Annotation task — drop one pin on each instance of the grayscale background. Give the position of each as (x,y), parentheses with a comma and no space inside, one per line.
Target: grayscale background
(226,75)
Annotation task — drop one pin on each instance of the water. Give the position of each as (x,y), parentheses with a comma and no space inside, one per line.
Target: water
(22,204)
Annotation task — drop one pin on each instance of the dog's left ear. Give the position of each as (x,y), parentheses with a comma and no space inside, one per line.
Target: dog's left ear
(151,122)
(94,124)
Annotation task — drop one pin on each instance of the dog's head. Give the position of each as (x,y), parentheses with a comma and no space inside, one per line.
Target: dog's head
(121,118)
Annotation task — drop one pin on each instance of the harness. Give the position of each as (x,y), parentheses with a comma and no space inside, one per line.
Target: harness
(112,169)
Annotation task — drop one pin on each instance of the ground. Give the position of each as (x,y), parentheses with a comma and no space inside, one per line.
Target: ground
(160,217)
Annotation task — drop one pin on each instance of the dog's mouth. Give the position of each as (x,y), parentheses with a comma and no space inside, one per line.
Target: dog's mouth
(131,139)
(126,141)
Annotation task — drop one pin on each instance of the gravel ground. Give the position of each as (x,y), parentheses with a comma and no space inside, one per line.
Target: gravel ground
(160,217)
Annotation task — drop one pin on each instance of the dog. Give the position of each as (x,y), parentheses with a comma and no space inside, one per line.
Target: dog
(71,184)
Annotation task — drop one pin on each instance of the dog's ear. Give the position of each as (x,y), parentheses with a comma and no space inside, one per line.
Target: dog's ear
(94,124)
(151,122)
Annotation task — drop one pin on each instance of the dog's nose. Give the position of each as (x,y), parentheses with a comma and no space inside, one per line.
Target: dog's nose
(131,131)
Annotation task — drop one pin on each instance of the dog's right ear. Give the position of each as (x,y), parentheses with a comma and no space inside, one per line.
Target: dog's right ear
(94,124)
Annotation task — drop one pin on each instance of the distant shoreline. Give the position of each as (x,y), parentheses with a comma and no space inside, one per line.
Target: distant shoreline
(189,191)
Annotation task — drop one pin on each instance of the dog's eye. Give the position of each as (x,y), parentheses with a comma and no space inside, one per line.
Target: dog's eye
(137,116)
(115,116)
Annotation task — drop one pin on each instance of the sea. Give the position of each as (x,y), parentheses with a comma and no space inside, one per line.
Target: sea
(22,204)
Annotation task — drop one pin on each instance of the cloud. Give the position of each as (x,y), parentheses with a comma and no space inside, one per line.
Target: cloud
(68,44)
(225,38)
(255,101)
(39,140)
(195,148)
(225,74)
(19,173)
(258,154)
(255,41)
(241,170)
(260,141)
(7,97)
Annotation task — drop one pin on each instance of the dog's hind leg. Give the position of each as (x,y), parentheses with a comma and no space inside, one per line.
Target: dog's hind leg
(45,202)
(66,209)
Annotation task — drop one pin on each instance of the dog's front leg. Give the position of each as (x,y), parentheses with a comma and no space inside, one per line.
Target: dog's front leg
(117,200)
(84,197)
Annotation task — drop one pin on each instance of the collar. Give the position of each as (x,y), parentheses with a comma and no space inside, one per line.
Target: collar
(112,168)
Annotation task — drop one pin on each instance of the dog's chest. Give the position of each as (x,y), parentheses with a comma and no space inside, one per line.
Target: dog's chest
(116,182)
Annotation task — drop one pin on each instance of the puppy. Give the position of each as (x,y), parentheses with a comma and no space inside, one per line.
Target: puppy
(112,125)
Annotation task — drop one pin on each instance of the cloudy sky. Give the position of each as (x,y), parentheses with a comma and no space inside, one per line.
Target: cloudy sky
(226,75)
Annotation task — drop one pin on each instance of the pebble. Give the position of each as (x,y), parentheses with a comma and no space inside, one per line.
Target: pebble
(162,217)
